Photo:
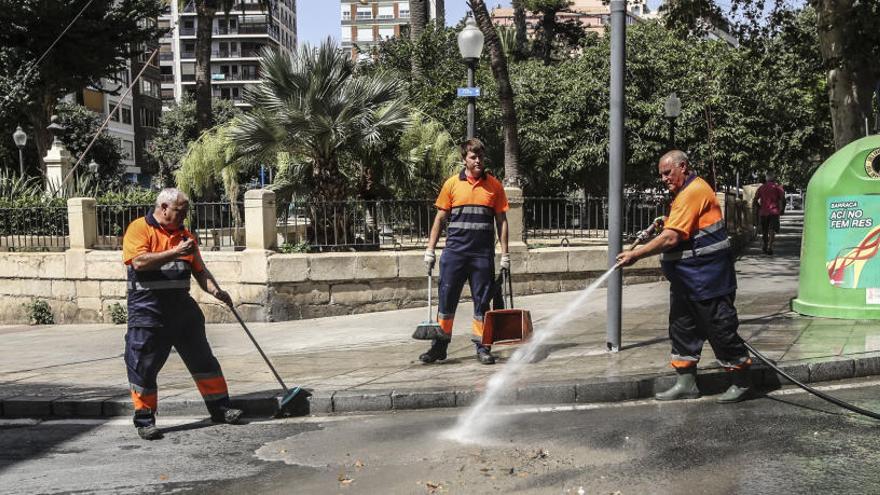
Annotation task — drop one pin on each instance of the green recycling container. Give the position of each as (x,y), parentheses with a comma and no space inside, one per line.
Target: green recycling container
(840,249)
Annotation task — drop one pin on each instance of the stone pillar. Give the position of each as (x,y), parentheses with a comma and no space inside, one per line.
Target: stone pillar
(82,218)
(58,163)
(259,219)
(515,223)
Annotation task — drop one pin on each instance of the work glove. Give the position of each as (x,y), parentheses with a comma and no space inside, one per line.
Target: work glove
(505,262)
(430,258)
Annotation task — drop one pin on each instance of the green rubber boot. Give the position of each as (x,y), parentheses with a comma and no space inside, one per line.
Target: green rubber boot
(685,386)
(739,388)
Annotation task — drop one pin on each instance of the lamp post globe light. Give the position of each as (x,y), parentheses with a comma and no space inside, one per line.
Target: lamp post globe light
(672,108)
(470,46)
(20,139)
(93,167)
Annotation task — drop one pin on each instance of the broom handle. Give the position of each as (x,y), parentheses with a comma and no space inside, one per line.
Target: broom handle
(506,283)
(430,315)
(260,349)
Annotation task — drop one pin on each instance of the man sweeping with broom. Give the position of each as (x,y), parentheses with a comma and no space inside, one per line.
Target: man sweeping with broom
(161,255)
(475,204)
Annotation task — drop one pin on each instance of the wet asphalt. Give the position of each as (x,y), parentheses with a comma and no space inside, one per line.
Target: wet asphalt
(786,442)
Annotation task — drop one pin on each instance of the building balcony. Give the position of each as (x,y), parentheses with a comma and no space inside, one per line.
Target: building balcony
(221,78)
(185,31)
(166,56)
(167,78)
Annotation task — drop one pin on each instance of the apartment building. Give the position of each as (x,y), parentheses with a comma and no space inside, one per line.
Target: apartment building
(235,47)
(367,22)
(593,15)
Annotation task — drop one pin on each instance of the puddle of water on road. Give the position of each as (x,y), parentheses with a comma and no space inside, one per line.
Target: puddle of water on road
(474,423)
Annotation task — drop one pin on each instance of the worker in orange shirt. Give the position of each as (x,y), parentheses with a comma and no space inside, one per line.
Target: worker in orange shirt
(475,204)
(161,255)
(696,257)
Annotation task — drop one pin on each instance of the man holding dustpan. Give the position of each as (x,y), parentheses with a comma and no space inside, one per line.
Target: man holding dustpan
(475,204)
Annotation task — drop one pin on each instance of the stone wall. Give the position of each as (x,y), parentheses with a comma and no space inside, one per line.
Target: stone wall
(81,285)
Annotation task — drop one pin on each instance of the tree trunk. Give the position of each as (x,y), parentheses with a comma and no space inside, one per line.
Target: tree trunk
(205,12)
(549,25)
(417,15)
(849,86)
(505,92)
(440,10)
(519,21)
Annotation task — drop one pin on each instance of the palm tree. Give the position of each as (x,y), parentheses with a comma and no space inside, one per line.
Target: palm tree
(505,92)
(418,17)
(519,21)
(548,10)
(314,108)
(440,12)
(206,10)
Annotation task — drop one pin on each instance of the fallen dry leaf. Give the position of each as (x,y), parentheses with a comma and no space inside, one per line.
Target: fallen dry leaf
(359,464)
(346,481)
(163,477)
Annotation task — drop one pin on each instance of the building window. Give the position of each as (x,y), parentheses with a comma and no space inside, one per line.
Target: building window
(386,12)
(346,33)
(346,12)
(403,10)
(110,106)
(365,12)
(126,115)
(365,34)
(127,149)
(386,32)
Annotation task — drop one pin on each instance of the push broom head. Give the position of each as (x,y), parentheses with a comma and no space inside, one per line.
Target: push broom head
(295,402)
(429,330)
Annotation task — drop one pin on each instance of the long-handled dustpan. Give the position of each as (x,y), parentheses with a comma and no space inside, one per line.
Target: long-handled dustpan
(294,402)
(509,325)
(430,329)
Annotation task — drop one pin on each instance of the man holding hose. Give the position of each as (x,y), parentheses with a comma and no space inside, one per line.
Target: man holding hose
(696,258)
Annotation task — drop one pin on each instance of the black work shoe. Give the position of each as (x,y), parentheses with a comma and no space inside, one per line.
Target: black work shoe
(149,432)
(437,352)
(227,415)
(485,356)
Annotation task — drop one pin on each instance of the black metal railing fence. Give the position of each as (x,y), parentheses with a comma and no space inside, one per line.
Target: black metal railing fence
(34,228)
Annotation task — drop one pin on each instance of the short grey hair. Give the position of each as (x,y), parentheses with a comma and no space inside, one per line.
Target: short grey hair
(170,196)
(676,157)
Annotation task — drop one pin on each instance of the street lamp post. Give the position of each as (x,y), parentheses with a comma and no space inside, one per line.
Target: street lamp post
(672,108)
(20,139)
(470,46)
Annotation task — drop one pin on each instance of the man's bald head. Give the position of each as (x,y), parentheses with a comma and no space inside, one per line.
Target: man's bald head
(673,168)
(675,157)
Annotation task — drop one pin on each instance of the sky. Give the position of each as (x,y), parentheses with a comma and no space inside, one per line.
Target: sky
(317,19)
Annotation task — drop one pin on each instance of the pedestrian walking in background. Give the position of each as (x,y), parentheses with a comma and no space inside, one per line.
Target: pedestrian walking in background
(770,202)
(161,255)
(696,257)
(475,204)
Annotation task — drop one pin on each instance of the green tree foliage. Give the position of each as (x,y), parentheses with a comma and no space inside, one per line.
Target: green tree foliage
(97,45)
(846,36)
(563,107)
(178,128)
(210,159)
(315,108)
(80,125)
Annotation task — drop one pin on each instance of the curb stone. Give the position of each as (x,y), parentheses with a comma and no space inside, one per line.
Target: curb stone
(323,402)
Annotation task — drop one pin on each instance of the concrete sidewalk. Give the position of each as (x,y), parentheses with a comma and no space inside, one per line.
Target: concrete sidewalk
(369,362)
